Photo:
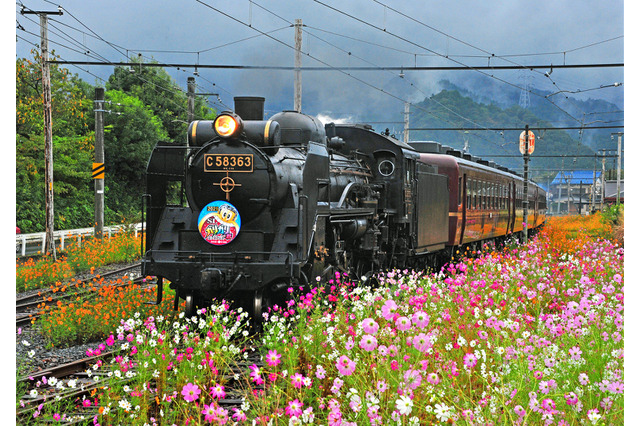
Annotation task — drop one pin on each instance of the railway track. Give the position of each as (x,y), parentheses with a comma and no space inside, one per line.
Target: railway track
(29,307)
(69,382)
(73,383)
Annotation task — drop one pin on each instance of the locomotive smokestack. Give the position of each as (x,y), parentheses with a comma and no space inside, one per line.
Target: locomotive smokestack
(249,107)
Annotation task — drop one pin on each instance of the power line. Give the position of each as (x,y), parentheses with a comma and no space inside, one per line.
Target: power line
(348,68)
(497,129)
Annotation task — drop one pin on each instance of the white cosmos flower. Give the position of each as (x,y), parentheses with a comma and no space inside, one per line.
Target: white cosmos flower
(404,404)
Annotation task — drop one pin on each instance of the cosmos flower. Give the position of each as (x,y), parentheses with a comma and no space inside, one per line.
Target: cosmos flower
(190,392)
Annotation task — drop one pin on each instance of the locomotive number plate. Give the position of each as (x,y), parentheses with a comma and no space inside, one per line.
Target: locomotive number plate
(228,163)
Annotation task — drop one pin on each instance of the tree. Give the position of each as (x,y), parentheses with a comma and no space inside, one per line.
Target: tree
(129,139)
(72,146)
(155,88)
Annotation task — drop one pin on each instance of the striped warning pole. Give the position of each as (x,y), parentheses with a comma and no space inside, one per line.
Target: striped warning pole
(98,167)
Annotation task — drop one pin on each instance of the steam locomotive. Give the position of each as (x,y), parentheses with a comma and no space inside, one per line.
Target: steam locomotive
(280,202)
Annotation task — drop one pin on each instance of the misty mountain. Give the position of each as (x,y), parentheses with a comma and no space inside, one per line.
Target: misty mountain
(559,108)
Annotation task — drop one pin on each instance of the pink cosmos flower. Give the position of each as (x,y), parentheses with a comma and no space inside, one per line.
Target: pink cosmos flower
(368,342)
(548,404)
(403,323)
(190,392)
(255,374)
(209,412)
(297,380)
(382,386)
(56,417)
(217,391)
(575,353)
(571,398)
(320,372)
(470,360)
(294,408)
(345,366)
(519,410)
(420,319)
(583,379)
(370,326)
(387,310)
(433,378)
(421,342)
(412,378)
(273,358)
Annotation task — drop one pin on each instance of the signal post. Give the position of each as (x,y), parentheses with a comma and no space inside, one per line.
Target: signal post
(527,145)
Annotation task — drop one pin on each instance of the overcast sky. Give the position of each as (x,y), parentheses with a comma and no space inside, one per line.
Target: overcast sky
(362,33)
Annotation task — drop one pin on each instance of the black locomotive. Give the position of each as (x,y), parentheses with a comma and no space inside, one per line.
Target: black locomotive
(279,202)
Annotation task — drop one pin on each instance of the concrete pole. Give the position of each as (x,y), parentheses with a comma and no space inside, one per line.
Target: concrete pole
(297,92)
(603,182)
(406,122)
(525,201)
(619,168)
(98,170)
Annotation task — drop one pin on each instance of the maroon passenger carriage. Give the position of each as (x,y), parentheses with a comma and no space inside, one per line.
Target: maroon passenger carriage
(485,200)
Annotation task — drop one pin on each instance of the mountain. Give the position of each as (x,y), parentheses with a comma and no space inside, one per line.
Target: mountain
(560,108)
(554,149)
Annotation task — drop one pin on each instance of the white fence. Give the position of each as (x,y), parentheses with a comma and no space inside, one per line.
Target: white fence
(29,244)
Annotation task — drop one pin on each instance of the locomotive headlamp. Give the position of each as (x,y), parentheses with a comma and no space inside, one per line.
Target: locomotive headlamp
(228,125)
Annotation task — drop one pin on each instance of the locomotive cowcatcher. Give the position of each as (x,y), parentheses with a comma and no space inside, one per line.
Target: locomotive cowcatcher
(251,207)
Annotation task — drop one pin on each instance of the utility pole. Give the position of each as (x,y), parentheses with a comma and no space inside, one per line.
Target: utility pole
(593,186)
(297,90)
(191,98)
(407,105)
(98,165)
(49,246)
(603,184)
(527,146)
(619,167)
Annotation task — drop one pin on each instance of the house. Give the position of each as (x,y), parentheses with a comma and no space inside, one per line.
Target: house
(611,191)
(572,192)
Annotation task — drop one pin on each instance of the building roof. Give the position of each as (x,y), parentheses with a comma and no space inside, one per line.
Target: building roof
(610,188)
(575,177)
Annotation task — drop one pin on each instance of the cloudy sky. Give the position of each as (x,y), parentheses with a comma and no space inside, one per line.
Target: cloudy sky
(338,35)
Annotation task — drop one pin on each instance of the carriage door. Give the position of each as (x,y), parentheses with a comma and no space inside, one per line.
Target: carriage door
(465,198)
(511,207)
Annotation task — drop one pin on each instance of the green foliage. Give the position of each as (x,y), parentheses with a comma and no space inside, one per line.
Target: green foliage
(611,214)
(152,108)
(155,88)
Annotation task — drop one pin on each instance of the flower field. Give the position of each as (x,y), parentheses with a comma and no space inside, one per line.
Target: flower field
(528,335)
(91,253)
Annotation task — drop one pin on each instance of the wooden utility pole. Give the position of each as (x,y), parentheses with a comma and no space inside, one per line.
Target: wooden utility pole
(191,98)
(49,246)
(297,90)
(98,165)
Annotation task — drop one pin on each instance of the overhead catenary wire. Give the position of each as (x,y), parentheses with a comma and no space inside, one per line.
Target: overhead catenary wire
(332,68)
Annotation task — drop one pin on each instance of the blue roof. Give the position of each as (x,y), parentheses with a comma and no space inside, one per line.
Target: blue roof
(575,177)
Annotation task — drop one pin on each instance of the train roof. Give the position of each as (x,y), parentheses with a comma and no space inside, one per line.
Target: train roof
(432,147)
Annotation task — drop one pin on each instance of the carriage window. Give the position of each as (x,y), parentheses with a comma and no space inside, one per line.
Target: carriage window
(474,190)
(460,190)
(484,195)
